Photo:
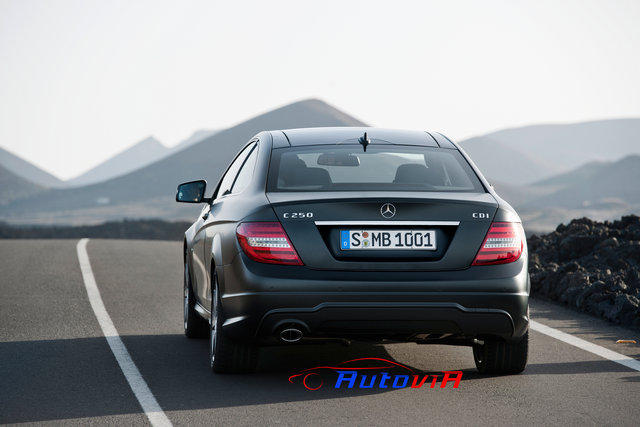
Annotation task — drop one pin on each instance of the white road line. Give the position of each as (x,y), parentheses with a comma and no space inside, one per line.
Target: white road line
(627,361)
(148,402)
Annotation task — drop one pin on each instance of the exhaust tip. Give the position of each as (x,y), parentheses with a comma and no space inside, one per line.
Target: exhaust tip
(291,335)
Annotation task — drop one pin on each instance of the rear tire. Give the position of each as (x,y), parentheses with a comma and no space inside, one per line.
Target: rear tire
(194,325)
(500,357)
(225,355)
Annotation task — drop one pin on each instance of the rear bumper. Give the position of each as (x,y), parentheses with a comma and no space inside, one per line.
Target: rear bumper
(259,300)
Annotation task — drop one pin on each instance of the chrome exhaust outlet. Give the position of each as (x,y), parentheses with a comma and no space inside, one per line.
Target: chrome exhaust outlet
(291,335)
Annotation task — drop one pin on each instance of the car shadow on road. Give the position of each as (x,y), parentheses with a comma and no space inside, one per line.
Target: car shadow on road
(75,378)
(182,379)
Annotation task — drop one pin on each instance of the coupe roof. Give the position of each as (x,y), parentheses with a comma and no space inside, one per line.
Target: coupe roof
(345,135)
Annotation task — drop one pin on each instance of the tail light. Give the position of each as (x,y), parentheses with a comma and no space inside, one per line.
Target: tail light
(503,244)
(267,242)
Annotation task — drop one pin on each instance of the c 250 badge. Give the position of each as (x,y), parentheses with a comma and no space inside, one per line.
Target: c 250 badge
(297,215)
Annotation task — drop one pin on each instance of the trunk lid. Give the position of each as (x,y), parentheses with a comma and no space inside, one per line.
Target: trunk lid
(313,221)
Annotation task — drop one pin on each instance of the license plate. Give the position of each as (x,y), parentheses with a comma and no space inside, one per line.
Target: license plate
(388,239)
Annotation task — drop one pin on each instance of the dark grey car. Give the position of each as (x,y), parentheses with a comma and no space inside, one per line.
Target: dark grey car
(355,233)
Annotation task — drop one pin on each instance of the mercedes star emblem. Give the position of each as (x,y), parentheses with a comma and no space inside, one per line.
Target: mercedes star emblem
(388,210)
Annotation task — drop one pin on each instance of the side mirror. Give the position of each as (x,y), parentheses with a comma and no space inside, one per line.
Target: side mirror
(192,192)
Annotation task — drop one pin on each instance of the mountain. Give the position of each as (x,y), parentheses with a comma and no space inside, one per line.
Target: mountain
(550,173)
(598,190)
(502,163)
(149,191)
(141,154)
(26,170)
(575,176)
(612,183)
(568,146)
(13,187)
(541,151)
(519,195)
(197,136)
(138,155)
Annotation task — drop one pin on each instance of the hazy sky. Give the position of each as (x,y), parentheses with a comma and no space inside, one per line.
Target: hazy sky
(82,80)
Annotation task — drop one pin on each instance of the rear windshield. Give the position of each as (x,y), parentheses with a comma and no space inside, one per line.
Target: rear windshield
(380,168)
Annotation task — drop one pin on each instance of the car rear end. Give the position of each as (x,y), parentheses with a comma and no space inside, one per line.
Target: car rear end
(377,241)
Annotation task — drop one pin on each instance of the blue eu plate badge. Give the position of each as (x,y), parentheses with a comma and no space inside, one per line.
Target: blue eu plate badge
(345,239)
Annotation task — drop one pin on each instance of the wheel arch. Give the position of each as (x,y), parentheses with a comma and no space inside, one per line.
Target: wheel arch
(184,250)
(216,260)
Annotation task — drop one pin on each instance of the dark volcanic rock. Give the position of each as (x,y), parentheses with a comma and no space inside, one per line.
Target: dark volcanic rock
(591,266)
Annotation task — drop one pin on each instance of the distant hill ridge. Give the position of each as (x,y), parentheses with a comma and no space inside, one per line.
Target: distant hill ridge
(13,187)
(538,152)
(550,173)
(499,161)
(27,170)
(604,183)
(149,191)
(138,155)
(601,190)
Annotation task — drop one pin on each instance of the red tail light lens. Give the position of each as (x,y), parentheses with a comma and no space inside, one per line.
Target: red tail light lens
(267,242)
(503,244)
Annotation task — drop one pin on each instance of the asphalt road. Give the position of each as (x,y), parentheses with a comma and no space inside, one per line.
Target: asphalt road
(56,366)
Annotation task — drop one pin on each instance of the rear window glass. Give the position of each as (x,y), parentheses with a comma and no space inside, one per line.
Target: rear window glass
(380,168)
